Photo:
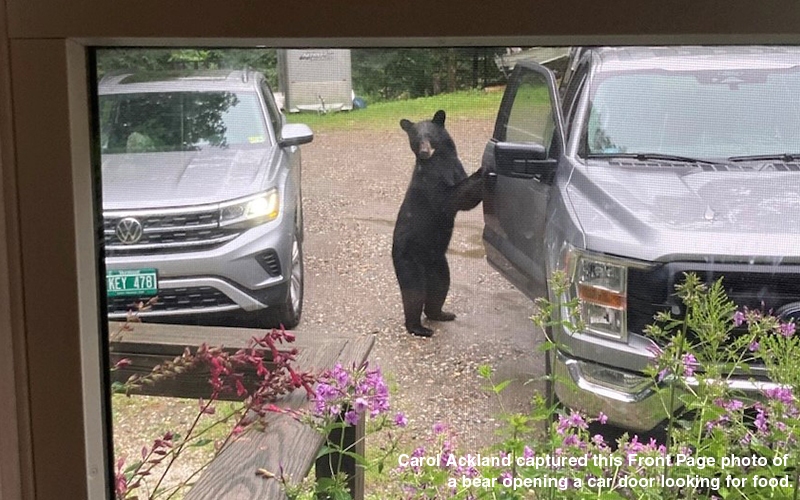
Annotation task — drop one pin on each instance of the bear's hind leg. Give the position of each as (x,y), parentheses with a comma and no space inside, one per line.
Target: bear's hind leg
(411,277)
(413,301)
(438,284)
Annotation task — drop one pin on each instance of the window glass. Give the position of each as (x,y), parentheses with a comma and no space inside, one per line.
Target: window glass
(159,122)
(378,266)
(531,115)
(697,113)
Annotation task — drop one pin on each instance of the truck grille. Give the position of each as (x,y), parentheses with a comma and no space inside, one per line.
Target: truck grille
(174,299)
(758,286)
(150,232)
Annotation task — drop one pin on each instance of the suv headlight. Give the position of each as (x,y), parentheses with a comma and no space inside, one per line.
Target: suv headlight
(256,209)
(601,284)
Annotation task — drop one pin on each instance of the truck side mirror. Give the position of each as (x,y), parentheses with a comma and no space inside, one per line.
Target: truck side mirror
(523,159)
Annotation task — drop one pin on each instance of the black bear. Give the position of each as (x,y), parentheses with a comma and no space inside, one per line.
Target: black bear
(439,188)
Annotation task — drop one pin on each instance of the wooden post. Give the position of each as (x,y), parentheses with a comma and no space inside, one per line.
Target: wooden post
(353,441)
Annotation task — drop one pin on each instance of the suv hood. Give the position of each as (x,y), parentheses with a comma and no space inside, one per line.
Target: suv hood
(662,214)
(175,179)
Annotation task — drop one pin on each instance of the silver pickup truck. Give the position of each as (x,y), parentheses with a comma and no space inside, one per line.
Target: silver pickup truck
(644,164)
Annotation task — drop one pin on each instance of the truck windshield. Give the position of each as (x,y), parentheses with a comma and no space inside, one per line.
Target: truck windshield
(155,122)
(699,114)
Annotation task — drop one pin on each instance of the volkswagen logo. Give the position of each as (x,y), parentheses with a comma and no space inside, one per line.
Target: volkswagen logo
(129,231)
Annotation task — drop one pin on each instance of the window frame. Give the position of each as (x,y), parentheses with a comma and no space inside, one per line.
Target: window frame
(45,70)
(274,114)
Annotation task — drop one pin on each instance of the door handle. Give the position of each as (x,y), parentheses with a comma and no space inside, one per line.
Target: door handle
(491,179)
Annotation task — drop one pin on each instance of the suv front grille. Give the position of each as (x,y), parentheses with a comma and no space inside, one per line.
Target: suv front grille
(174,299)
(164,232)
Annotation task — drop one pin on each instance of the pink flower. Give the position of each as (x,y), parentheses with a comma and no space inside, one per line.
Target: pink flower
(738,318)
(360,405)
(782,394)
(400,420)
(351,418)
(240,390)
(787,329)
(689,364)
(761,421)
(122,363)
(571,440)
(576,420)
(602,418)
(527,452)
(120,483)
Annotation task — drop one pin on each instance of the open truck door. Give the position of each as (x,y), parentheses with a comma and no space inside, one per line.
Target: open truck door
(520,162)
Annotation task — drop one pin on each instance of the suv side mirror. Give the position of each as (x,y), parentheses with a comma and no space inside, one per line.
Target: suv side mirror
(295,134)
(525,160)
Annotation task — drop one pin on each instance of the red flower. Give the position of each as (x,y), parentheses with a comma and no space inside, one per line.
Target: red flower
(240,390)
(122,363)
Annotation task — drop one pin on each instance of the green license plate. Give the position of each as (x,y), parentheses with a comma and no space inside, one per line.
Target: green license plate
(139,282)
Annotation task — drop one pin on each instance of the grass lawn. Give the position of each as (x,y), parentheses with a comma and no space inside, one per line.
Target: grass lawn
(385,115)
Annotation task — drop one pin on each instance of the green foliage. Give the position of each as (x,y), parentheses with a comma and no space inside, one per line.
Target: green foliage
(386,115)
(389,74)
(378,74)
(145,59)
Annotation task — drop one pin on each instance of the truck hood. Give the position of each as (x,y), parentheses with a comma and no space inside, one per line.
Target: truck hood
(175,179)
(663,214)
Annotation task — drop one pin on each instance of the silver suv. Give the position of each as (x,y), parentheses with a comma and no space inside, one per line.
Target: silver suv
(201,199)
(645,164)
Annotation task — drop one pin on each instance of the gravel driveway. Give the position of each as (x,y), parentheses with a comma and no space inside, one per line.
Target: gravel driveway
(353,184)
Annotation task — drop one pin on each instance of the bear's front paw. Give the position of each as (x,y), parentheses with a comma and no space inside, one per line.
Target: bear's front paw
(441,316)
(420,331)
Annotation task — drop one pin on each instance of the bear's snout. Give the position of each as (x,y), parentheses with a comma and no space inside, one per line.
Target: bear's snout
(425,150)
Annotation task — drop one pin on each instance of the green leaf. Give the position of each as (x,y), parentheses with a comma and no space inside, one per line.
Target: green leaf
(545,346)
(132,467)
(341,494)
(502,385)
(200,442)
(325,484)
(360,460)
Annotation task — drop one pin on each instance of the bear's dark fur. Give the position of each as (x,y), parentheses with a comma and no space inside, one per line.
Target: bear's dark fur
(439,188)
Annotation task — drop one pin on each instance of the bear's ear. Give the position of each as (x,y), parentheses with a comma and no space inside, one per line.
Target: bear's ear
(438,118)
(406,125)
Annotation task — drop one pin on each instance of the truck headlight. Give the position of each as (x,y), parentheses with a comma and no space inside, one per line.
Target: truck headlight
(601,285)
(257,209)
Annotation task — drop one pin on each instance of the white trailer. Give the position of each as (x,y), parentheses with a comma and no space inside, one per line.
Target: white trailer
(315,80)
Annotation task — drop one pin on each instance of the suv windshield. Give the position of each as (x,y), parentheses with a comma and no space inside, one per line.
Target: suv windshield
(699,114)
(155,122)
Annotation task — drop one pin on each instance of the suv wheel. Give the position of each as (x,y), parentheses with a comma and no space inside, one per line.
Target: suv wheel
(288,313)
